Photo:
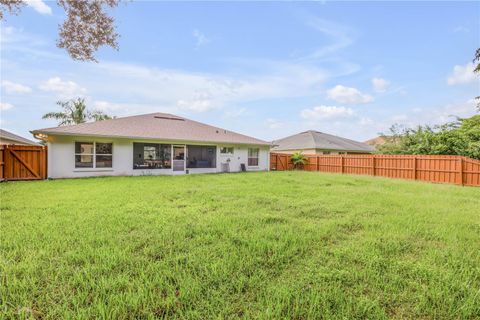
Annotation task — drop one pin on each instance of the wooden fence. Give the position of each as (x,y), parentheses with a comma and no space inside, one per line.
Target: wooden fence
(440,169)
(23,162)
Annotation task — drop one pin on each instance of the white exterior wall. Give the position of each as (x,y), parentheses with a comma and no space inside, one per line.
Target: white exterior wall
(61,158)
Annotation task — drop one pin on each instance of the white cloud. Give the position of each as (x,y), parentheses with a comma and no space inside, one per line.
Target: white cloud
(200,101)
(147,86)
(107,106)
(200,92)
(201,38)
(343,94)
(65,89)
(434,115)
(326,112)
(450,111)
(7,31)
(365,121)
(340,35)
(40,6)
(462,74)
(199,105)
(5,106)
(12,87)
(126,109)
(274,123)
(9,34)
(380,85)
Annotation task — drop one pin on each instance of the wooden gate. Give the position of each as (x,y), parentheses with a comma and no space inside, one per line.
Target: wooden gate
(23,162)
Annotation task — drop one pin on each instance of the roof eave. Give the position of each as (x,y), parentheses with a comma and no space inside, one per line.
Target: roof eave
(36,132)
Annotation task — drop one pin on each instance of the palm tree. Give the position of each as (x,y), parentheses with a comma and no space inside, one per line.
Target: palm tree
(75,112)
(298,158)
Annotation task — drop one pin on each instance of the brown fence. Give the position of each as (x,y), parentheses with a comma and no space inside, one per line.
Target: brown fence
(23,162)
(441,169)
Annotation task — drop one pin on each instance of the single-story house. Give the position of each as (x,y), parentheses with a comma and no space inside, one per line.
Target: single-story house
(315,142)
(149,144)
(7,137)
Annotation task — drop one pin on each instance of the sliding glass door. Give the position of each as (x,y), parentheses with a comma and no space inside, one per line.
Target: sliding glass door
(178,161)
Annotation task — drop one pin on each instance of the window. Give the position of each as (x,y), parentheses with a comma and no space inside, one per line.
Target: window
(201,156)
(253,157)
(226,150)
(103,155)
(152,156)
(84,155)
(326,152)
(93,155)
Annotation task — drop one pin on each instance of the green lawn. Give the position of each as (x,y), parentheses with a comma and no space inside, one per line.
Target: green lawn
(256,245)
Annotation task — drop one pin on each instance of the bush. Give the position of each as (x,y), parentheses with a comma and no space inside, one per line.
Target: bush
(460,137)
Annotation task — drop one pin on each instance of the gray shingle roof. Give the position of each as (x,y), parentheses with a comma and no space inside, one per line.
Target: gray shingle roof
(158,126)
(4,134)
(318,140)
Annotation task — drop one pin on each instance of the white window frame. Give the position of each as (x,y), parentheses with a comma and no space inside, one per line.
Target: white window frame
(258,157)
(94,156)
(226,153)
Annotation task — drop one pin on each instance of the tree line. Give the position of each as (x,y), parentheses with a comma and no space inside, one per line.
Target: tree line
(459,137)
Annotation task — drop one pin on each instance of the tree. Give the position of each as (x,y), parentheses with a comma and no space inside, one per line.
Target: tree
(298,158)
(470,130)
(75,112)
(477,60)
(86,28)
(460,137)
(12,6)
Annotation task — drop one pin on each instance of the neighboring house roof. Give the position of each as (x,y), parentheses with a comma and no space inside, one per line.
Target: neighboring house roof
(9,137)
(378,141)
(318,140)
(156,126)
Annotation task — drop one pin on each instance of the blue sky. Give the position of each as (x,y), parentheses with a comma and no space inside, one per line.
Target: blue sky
(263,69)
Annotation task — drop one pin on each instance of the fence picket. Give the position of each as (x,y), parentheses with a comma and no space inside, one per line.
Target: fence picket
(440,169)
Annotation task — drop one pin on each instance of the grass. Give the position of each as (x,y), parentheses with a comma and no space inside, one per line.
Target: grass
(292,245)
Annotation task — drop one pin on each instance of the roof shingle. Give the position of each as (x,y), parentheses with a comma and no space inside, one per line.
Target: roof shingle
(157,126)
(318,140)
(4,134)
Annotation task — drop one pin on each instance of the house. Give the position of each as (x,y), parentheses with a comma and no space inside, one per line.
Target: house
(149,144)
(10,138)
(315,142)
(378,141)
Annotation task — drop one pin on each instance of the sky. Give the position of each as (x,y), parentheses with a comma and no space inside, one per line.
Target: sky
(265,69)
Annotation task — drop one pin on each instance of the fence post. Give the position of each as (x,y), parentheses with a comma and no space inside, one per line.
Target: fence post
(461,171)
(46,162)
(2,163)
(318,163)
(373,165)
(414,168)
(343,163)
(6,163)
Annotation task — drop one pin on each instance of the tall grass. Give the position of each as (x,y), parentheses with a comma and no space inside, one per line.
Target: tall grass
(257,245)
